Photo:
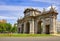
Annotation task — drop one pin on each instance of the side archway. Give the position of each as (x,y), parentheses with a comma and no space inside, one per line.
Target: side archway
(18,30)
(39,27)
(27,27)
(47,29)
(22,28)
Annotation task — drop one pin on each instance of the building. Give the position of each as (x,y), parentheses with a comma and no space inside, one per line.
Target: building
(38,22)
(3,21)
(58,26)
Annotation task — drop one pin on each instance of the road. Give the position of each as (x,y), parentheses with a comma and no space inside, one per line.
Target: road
(30,38)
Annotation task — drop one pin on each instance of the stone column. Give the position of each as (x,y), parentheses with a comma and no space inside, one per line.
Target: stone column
(44,28)
(20,28)
(32,26)
(24,31)
(53,25)
(36,25)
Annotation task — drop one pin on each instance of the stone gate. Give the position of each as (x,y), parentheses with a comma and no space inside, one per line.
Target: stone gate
(38,22)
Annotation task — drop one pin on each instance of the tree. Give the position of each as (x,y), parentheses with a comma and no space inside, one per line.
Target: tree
(5,27)
(14,29)
(2,27)
(8,27)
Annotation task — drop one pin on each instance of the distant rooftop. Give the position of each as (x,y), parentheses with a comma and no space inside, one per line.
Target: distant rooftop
(3,21)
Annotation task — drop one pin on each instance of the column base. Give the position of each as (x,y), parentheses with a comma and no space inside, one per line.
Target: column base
(32,33)
(53,32)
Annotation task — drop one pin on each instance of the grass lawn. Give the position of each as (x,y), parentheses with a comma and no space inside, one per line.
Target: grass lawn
(25,35)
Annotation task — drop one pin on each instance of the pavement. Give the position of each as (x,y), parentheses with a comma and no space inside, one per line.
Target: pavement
(56,34)
(54,38)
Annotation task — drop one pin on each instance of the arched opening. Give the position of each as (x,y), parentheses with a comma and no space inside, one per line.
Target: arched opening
(39,28)
(47,29)
(27,27)
(22,28)
(18,30)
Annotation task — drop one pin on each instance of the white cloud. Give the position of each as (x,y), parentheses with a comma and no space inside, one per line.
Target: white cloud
(6,17)
(17,8)
(20,10)
(6,7)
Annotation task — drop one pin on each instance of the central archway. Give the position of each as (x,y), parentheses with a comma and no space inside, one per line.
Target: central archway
(39,28)
(27,27)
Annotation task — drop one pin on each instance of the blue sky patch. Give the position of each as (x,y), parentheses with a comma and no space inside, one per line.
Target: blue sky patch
(11,10)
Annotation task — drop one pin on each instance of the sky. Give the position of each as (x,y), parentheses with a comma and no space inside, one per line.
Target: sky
(11,10)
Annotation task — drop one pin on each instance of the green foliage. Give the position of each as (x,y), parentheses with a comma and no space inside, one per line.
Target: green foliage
(14,29)
(2,27)
(7,28)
